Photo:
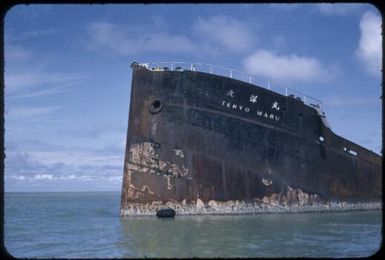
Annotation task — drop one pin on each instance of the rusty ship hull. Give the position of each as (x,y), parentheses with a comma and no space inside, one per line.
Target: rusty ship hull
(204,143)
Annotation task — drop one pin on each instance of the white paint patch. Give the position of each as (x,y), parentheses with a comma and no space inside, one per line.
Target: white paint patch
(178,152)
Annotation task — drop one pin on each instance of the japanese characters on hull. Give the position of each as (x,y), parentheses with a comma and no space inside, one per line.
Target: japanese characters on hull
(200,141)
(252,105)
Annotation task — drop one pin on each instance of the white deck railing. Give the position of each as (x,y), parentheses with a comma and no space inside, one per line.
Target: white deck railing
(235,74)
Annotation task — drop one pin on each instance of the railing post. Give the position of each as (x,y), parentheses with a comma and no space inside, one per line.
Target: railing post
(191,66)
(286,91)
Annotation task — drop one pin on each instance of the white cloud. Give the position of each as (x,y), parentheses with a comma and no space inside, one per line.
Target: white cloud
(15,53)
(43,177)
(62,161)
(20,80)
(86,177)
(28,84)
(327,9)
(206,36)
(49,182)
(14,81)
(32,80)
(52,177)
(115,179)
(370,44)
(39,170)
(338,9)
(286,7)
(286,67)
(128,41)
(17,113)
(17,177)
(37,33)
(225,32)
(11,36)
(27,74)
(84,159)
(164,42)
(65,177)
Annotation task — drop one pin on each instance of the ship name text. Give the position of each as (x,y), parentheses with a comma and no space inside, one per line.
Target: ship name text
(257,112)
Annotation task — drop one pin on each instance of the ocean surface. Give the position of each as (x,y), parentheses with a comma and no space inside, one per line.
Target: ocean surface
(69,225)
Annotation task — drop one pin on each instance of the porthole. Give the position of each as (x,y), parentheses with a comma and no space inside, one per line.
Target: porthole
(321,138)
(155,106)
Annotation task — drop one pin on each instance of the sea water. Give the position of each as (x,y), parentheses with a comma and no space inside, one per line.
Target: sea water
(72,225)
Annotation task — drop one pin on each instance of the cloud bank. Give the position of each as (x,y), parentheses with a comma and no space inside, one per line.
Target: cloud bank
(369,48)
(206,35)
(225,32)
(286,67)
(63,170)
(127,41)
(338,9)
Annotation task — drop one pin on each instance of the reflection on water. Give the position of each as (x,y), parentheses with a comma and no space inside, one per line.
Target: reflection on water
(266,235)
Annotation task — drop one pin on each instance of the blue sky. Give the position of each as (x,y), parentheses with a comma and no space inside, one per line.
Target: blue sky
(68,76)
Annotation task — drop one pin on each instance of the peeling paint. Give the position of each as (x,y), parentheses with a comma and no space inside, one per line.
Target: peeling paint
(240,207)
(145,188)
(169,186)
(143,157)
(266,182)
(293,200)
(199,204)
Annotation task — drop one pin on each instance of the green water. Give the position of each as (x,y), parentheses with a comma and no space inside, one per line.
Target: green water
(89,225)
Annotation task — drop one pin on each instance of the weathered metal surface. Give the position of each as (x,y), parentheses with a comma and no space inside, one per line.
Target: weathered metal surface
(195,136)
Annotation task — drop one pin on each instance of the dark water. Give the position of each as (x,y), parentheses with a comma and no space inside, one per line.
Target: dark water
(88,225)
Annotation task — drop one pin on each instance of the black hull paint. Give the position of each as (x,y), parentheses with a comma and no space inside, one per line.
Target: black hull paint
(198,137)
